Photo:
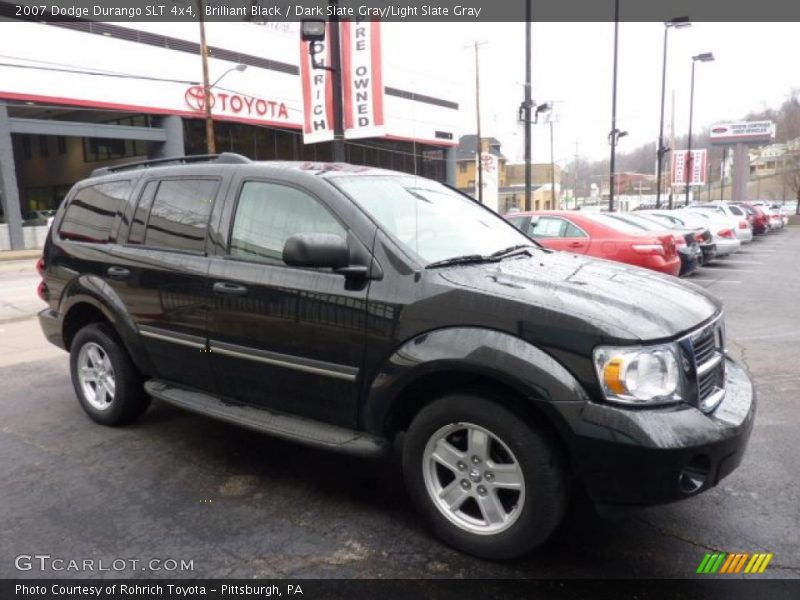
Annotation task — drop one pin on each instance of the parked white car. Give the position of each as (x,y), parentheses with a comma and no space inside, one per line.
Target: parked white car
(736,215)
(722,228)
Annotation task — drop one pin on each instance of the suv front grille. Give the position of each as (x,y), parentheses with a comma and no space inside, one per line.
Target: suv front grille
(708,349)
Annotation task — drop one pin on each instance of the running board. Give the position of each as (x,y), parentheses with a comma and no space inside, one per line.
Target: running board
(298,429)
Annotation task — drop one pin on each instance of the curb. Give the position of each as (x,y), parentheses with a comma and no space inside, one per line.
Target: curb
(20,254)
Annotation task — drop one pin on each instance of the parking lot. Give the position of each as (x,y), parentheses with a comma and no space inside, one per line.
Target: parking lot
(238,504)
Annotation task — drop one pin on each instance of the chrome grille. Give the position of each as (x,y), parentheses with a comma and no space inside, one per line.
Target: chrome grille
(708,347)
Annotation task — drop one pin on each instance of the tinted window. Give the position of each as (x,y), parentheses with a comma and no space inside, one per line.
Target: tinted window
(736,210)
(268,214)
(91,213)
(519,222)
(136,235)
(548,227)
(179,217)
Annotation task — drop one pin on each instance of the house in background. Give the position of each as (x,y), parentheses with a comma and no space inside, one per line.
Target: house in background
(510,177)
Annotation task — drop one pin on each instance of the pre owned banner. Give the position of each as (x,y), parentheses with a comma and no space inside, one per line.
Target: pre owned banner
(362,79)
(317,91)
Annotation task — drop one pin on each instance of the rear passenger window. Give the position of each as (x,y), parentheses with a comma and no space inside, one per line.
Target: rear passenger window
(136,235)
(268,214)
(92,211)
(573,232)
(736,210)
(179,215)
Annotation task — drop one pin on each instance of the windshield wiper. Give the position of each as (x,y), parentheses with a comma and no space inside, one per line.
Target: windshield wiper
(462,260)
(511,250)
(481,258)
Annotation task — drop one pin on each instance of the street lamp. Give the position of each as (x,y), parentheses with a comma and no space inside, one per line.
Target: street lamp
(677,23)
(704,57)
(613,135)
(241,68)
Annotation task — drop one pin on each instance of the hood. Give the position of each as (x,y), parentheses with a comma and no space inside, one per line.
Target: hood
(572,296)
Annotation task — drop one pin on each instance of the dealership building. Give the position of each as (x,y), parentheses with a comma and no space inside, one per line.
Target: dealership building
(75,96)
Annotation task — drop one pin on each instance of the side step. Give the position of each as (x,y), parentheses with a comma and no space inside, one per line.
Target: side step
(298,429)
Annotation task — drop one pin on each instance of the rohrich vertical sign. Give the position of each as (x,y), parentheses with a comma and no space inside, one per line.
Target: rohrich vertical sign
(317,91)
(362,79)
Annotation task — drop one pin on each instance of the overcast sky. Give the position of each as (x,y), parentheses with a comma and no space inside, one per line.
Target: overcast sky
(755,67)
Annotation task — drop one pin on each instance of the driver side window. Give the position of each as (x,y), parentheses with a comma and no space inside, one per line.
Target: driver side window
(548,227)
(267,214)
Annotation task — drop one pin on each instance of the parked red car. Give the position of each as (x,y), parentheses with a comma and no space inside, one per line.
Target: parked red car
(758,219)
(596,234)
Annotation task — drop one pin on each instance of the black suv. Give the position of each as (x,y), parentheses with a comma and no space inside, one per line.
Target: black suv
(342,306)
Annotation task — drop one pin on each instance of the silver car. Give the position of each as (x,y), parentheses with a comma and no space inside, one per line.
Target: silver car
(721,227)
(736,216)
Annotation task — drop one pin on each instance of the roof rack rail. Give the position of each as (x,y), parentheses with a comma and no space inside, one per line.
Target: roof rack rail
(226,158)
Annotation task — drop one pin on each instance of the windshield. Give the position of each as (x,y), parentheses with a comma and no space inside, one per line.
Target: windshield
(430,220)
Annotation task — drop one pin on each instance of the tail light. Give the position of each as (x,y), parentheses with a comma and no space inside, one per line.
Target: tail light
(699,238)
(40,267)
(41,290)
(726,233)
(743,225)
(649,249)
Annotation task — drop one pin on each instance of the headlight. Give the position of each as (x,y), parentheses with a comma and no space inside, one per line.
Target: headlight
(639,375)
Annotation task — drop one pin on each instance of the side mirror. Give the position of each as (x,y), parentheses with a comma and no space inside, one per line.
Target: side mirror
(316,250)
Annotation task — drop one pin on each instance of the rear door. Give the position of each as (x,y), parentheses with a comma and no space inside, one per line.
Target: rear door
(560,234)
(282,337)
(160,274)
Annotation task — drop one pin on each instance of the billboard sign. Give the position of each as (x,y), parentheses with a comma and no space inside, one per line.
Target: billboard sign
(742,132)
(698,167)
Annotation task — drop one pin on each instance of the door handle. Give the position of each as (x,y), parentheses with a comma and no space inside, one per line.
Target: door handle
(576,245)
(229,289)
(118,272)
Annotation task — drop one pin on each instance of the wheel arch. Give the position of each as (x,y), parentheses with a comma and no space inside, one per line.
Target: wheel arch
(507,369)
(88,299)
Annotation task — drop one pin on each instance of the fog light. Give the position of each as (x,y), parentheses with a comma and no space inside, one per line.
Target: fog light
(695,474)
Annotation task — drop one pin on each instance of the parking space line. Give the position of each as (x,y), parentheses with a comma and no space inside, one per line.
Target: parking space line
(713,281)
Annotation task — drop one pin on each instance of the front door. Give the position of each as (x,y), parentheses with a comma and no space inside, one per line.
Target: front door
(281,337)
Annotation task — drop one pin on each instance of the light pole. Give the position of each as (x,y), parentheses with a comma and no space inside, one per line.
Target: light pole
(704,57)
(527,104)
(677,23)
(613,136)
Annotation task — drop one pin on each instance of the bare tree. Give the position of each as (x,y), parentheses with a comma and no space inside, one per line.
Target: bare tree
(791,174)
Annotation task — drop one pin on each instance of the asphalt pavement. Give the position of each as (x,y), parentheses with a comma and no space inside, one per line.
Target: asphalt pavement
(238,504)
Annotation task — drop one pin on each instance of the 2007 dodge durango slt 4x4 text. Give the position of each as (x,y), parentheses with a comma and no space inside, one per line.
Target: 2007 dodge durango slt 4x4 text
(341,306)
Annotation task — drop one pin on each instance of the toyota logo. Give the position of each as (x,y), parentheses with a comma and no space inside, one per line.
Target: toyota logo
(719,130)
(195,98)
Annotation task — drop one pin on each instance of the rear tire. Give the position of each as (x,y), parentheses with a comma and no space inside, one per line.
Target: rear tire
(108,385)
(487,482)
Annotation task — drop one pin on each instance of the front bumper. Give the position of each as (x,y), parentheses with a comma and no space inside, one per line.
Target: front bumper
(652,456)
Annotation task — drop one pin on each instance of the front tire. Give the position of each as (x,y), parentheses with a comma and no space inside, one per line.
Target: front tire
(487,482)
(108,385)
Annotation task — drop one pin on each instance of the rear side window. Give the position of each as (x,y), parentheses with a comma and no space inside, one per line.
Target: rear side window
(179,215)
(136,235)
(92,212)
(736,210)
(268,214)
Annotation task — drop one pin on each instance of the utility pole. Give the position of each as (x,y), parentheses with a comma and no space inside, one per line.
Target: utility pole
(671,145)
(552,166)
(527,104)
(575,192)
(479,145)
(211,142)
(722,174)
